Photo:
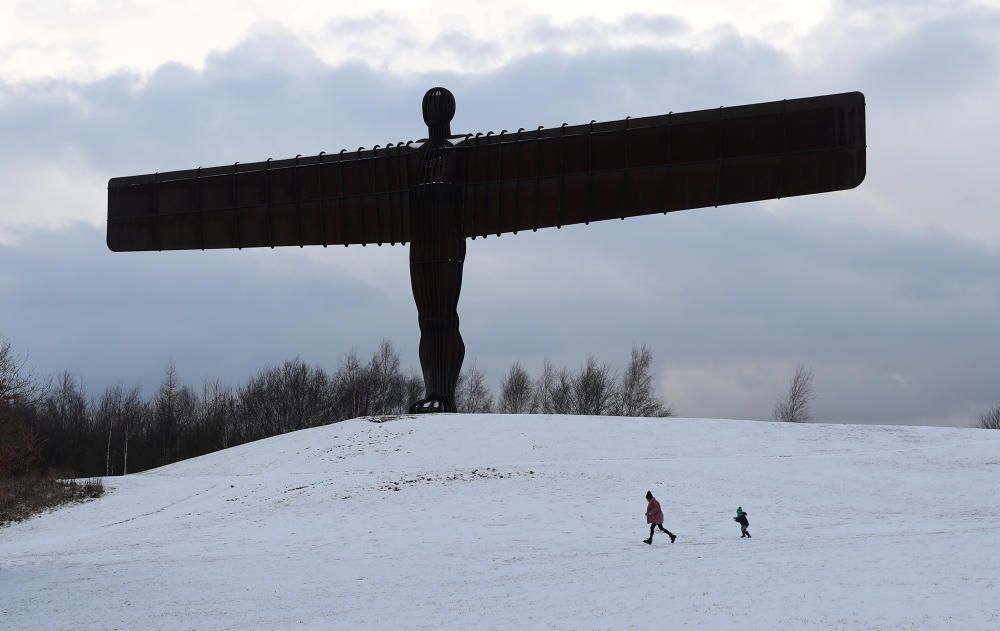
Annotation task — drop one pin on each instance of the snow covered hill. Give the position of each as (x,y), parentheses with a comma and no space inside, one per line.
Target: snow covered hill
(465,521)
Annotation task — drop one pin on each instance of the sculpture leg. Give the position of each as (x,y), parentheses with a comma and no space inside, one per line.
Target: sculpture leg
(437,255)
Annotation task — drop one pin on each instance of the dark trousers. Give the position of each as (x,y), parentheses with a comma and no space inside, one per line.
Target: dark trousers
(744,524)
(653,527)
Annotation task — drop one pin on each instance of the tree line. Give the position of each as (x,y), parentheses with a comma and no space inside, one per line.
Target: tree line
(56,425)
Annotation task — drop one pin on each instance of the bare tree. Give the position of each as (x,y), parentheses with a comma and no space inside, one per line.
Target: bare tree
(135,416)
(165,411)
(472,395)
(516,396)
(594,389)
(20,448)
(218,412)
(794,406)
(64,417)
(635,395)
(286,398)
(542,390)
(562,399)
(413,387)
(16,383)
(108,414)
(118,412)
(376,388)
(187,420)
(20,451)
(386,384)
(301,396)
(175,410)
(350,391)
(990,419)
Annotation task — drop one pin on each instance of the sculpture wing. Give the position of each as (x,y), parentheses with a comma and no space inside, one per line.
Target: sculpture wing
(561,176)
(348,198)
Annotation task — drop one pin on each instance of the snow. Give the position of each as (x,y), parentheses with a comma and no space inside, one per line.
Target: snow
(531,522)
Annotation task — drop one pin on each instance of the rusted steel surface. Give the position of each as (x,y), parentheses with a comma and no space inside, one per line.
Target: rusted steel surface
(567,175)
(358,197)
(435,193)
(510,181)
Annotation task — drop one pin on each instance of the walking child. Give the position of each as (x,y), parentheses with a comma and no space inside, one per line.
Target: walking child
(654,517)
(741,519)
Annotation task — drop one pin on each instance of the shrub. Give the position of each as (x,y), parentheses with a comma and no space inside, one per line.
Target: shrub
(990,419)
(24,496)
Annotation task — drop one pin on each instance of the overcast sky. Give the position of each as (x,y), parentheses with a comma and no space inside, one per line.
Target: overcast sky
(890,292)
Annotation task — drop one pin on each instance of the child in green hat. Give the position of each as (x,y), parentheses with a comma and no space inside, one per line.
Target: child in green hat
(741,519)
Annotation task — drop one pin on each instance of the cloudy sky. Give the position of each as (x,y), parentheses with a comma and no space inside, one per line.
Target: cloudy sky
(890,292)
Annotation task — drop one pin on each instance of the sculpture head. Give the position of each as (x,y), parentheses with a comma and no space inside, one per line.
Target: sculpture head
(439,109)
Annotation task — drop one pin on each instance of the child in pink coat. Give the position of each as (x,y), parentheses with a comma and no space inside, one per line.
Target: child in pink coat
(654,517)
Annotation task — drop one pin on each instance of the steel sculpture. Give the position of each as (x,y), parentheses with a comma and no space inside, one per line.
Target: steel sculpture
(436,192)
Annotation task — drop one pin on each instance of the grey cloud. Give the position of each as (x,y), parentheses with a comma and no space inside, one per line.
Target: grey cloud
(942,57)
(911,61)
(273,53)
(653,24)
(179,117)
(542,29)
(469,49)
(368,25)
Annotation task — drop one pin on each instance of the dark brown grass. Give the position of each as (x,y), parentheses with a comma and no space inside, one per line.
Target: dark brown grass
(25,496)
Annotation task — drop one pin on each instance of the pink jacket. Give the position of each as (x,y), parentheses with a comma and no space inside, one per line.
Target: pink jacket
(654,514)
